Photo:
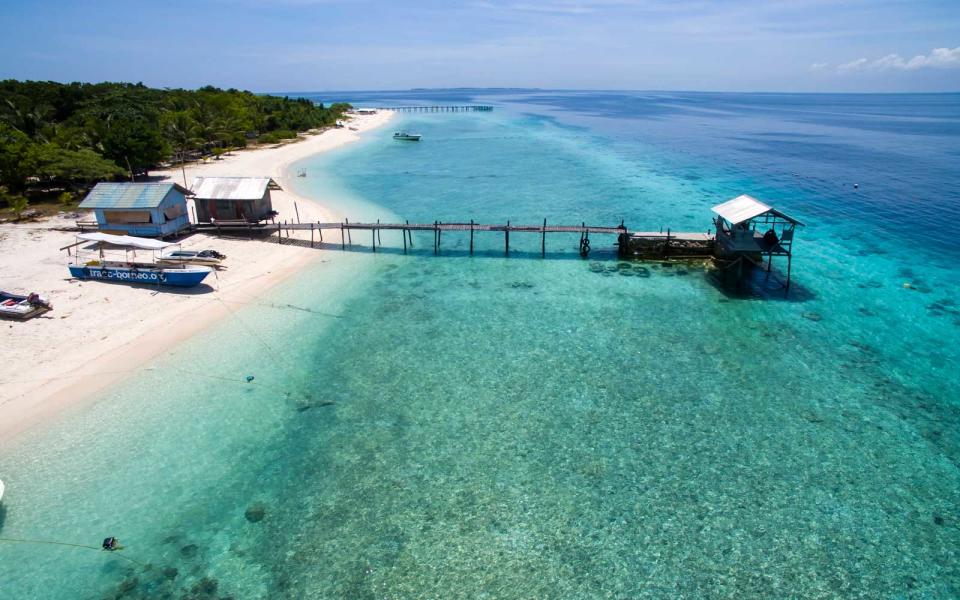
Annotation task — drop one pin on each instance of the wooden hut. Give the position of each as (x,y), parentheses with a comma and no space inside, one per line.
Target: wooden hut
(233,198)
(139,209)
(749,230)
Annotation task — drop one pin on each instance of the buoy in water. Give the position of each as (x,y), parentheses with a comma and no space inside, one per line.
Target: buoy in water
(856,186)
(250,378)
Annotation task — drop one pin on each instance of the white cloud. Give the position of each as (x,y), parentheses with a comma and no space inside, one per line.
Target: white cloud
(815,67)
(939,58)
(853,65)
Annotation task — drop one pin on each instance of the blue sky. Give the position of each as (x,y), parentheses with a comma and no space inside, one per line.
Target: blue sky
(269,45)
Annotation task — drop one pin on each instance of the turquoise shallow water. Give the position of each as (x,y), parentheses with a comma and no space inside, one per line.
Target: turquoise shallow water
(451,427)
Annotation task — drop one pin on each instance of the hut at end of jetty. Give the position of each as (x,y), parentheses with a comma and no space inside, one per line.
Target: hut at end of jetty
(749,230)
(233,199)
(139,209)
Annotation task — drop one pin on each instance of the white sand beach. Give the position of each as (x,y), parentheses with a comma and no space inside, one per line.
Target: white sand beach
(99,332)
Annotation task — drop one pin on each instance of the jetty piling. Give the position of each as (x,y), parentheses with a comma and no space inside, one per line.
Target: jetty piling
(543,240)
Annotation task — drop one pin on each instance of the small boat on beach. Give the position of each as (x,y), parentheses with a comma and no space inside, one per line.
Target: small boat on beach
(130,268)
(407,137)
(209,258)
(15,306)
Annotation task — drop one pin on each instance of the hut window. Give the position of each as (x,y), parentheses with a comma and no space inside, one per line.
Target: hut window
(127,216)
(172,212)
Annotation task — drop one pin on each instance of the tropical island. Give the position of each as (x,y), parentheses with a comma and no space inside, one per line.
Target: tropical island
(57,139)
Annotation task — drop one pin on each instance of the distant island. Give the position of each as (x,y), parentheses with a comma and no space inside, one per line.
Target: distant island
(56,139)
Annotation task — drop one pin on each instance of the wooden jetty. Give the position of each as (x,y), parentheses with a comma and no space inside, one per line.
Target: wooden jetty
(439,108)
(747,232)
(639,244)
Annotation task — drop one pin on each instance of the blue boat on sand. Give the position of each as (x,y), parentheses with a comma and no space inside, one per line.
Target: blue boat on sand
(130,268)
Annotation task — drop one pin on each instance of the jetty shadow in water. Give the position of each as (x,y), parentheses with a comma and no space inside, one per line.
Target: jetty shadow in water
(757,284)
(455,251)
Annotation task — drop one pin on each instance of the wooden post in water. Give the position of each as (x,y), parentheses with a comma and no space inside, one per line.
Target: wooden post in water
(373,234)
(379,241)
(439,231)
(789,265)
(506,240)
(434,238)
(543,240)
(410,234)
(403,234)
(297,211)
(311,235)
(343,242)
(320,231)
(279,234)
(471,237)
(349,237)
(666,247)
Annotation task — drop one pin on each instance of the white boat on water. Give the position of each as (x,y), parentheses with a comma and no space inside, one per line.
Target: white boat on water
(209,258)
(1,489)
(406,136)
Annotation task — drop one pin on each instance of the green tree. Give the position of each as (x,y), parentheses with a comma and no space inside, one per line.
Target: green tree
(52,163)
(14,146)
(18,204)
(137,144)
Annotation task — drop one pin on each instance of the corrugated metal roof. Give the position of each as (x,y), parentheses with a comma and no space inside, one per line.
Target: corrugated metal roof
(740,209)
(129,195)
(744,207)
(231,188)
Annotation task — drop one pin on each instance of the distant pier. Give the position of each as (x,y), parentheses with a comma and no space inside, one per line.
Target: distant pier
(439,108)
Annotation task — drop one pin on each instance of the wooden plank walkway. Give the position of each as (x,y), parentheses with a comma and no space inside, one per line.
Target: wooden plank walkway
(623,235)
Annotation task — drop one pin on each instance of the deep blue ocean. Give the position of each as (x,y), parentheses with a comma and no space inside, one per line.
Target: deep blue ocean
(489,427)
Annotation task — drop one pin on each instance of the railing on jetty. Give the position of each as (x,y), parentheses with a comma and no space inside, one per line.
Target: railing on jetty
(439,108)
(629,243)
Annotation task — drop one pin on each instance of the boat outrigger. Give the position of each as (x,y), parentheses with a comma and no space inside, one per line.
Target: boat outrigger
(408,137)
(131,269)
(210,258)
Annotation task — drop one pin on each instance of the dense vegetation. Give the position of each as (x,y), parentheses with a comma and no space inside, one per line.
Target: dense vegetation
(56,136)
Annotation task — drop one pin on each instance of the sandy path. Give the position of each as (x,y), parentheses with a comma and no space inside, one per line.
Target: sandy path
(99,332)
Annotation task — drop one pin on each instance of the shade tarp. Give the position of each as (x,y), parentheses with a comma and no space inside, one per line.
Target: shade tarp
(125,240)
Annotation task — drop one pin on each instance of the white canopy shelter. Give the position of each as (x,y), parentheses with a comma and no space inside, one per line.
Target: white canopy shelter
(125,240)
(744,207)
